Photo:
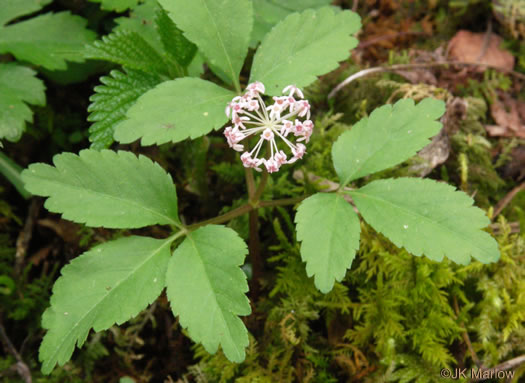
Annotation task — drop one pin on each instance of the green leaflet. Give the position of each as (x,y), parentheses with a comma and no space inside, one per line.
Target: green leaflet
(221,30)
(173,40)
(304,46)
(141,20)
(391,135)
(329,231)
(112,100)
(18,86)
(106,188)
(267,13)
(116,5)
(11,9)
(42,41)
(128,49)
(206,287)
(109,284)
(175,110)
(427,217)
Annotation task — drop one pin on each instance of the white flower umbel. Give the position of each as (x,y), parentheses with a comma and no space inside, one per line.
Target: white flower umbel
(281,120)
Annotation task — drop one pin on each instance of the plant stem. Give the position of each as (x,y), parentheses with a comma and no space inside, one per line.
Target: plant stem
(260,188)
(254,247)
(241,210)
(282,202)
(246,208)
(237,86)
(250,182)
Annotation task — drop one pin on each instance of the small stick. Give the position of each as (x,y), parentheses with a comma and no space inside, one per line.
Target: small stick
(486,41)
(20,365)
(466,338)
(22,242)
(506,200)
(393,68)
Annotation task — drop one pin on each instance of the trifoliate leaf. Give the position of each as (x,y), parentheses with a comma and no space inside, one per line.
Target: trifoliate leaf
(267,13)
(109,284)
(329,229)
(47,40)
(116,5)
(388,137)
(427,217)
(221,30)
(105,188)
(206,288)
(173,40)
(175,110)
(12,9)
(18,85)
(112,100)
(304,46)
(128,49)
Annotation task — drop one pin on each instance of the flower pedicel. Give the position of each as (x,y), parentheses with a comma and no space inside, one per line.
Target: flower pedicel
(250,116)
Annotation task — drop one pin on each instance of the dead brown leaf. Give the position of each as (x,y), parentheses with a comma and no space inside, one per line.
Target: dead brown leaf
(509,115)
(480,48)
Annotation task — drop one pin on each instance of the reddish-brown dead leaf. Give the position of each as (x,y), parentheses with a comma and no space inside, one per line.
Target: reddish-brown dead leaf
(480,48)
(509,115)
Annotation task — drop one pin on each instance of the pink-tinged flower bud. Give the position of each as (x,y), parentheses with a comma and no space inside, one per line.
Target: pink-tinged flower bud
(271,165)
(280,157)
(303,108)
(287,127)
(238,121)
(253,105)
(246,159)
(298,128)
(308,125)
(275,111)
(267,134)
(293,90)
(299,151)
(256,86)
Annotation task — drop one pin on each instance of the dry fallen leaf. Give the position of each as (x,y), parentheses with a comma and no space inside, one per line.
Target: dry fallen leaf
(509,115)
(480,48)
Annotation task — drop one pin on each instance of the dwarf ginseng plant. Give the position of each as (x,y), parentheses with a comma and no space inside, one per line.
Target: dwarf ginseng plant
(268,123)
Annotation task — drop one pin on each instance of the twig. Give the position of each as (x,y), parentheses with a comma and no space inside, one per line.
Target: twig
(393,68)
(22,242)
(466,338)
(497,228)
(486,41)
(147,317)
(506,200)
(20,365)
(375,40)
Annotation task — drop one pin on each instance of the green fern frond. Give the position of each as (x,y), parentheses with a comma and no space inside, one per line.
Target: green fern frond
(130,50)
(111,101)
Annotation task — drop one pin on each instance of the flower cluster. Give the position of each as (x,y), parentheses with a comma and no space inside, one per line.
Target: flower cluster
(250,116)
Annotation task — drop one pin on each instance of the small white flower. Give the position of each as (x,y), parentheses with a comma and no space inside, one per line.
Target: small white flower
(293,89)
(251,116)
